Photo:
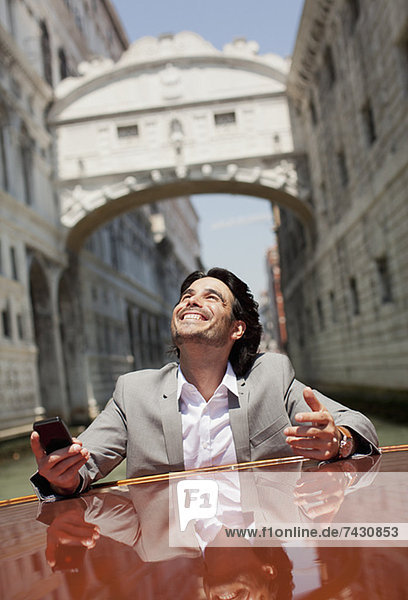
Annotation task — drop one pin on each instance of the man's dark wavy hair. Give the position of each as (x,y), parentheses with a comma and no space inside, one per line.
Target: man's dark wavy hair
(244,308)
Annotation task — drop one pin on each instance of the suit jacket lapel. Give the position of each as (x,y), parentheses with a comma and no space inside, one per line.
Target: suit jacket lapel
(238,413)
(171,420)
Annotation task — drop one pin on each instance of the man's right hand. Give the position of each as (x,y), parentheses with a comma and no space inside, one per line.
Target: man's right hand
(61,467)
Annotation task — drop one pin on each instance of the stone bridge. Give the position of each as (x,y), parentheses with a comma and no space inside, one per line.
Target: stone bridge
(174,117)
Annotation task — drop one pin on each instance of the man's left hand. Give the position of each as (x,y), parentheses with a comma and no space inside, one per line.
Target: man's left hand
(320,438)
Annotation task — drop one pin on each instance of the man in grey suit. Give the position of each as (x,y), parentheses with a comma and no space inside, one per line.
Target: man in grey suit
(224,403)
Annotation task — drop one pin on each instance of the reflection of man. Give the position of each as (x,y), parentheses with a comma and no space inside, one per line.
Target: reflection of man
(97,526)
(223,404)
(247,572)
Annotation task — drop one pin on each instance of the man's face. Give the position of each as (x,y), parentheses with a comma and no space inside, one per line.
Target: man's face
(204,315)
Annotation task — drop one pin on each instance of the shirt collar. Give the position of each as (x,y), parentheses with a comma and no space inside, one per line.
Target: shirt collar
(229,380)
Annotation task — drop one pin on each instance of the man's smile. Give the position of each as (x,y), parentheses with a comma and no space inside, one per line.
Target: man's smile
(194,316)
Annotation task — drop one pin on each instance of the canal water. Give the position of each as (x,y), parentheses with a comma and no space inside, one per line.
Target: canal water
(17,463)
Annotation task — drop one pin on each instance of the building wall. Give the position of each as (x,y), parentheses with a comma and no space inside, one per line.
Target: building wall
(346,291)
(275,298)
(130,272)
(65,320)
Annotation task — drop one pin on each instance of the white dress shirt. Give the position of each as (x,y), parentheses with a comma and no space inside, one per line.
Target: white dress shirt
(207,434)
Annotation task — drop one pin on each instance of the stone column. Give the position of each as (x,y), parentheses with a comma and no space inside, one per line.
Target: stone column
(53,275)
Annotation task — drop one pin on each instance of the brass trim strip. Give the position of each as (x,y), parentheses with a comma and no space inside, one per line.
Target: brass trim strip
(180,474)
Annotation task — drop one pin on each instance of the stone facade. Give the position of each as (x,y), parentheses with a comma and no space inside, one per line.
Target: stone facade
(346,291)
(66,319)
(275,297)
(130,275)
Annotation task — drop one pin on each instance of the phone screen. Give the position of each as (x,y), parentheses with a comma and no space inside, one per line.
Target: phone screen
(69,558)
(54,434)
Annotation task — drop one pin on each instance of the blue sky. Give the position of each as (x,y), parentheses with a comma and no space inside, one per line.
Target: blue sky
(235,230)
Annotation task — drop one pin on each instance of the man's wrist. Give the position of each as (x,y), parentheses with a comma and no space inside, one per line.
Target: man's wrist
(347,444)
(67,491)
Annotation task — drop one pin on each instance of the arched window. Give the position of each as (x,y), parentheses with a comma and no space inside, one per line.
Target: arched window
(46,52)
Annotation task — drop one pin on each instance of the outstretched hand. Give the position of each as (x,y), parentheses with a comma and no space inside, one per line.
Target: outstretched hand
(319,437)
(61,467)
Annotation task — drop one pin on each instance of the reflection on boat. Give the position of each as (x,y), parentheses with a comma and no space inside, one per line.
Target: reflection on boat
(124,540)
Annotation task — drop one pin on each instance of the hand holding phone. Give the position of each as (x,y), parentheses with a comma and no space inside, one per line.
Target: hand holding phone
(59,457)
(69,536)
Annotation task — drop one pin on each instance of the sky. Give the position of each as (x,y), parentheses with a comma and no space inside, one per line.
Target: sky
(235,231)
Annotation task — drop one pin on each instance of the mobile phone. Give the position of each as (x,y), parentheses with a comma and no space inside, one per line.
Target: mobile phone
(54,434)
(69,558)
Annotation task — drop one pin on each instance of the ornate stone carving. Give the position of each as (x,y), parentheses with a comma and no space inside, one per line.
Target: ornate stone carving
(242,47)
(171,82)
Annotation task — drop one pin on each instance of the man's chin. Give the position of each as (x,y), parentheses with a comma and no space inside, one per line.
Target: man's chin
(196,338)
(193,337)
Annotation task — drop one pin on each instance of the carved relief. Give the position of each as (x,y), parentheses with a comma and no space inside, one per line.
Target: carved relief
(171,82)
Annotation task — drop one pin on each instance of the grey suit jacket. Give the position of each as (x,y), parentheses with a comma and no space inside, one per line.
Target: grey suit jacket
(142,421)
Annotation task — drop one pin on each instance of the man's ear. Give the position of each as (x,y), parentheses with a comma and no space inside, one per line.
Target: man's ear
(239,330)
(270,570)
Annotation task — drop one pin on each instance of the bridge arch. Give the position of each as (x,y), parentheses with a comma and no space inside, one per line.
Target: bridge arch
(110,203)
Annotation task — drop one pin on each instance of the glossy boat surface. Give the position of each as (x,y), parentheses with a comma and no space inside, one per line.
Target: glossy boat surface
(123,540)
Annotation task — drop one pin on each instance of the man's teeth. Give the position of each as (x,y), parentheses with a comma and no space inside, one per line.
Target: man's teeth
(195,317)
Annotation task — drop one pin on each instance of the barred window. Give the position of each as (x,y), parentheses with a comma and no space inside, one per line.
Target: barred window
(384,279)
(320,313)
(46,52)
(343,171)
(369,123)
(63,65)
(13,263)
(6,321)
(127,131)
(333,307)
(313,111)
(227,118)
(355,301)
(329,65)
(20,327)
(354,13)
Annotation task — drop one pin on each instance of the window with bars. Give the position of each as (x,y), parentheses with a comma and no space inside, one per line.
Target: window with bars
(63,64)
(226,118)
(333,307)
(384,279)
(353,13)
(369,123)
(20,327)
(13,263)
(354,298)
(26,164)
(127,131)
(6,321)
(3,159)
(313,111)
(329,66)
(46,53)
(343,171)
(320,314)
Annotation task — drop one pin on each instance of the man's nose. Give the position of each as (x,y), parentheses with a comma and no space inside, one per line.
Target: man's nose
(194,301)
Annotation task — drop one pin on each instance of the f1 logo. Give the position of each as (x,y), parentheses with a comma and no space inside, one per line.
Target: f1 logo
(197,499)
